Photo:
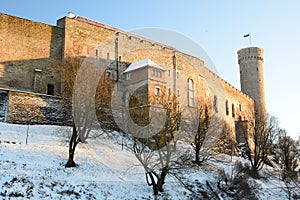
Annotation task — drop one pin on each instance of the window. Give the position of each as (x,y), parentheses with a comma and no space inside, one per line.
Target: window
(233,112)
(227,108)
(177,74)
(128,76)
(157,91)
(216,103)
(153,72)
(191,92)
(240,106)
(107,56)
(169,72)
(97,52)
(50,89)
(156,73)
(178,93)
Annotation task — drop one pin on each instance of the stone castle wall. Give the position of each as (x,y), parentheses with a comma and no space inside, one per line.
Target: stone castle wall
(3,105)
(36,109)
(28,54)
(31,50)
(85,37)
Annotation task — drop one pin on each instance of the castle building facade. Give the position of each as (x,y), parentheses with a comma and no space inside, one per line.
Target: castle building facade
(30,51)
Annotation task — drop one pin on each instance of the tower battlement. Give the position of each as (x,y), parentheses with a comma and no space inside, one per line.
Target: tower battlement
(250,53)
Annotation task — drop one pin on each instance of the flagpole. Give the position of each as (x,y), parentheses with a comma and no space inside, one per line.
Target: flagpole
(248,35)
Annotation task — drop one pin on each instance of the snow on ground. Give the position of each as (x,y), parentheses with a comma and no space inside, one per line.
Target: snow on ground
(105,171)
(36,170)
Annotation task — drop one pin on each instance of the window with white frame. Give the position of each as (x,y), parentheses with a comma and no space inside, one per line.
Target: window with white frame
(156,73)
(153,72)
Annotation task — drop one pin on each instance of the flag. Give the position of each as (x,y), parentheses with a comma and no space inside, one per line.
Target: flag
(247,35)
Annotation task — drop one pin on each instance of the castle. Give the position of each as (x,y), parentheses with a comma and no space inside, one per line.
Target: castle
(30,85)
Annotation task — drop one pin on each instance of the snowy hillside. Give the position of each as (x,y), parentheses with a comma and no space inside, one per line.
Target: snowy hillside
(105,171)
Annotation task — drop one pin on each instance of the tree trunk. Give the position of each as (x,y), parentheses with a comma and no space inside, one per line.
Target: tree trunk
(161,180)
(197,159)
(153,183)
(72,146)
(71,162)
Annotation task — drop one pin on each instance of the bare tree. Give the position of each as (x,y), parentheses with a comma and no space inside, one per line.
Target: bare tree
(226,143)
(288,152)
(68,69)
(204,118)
(257,143)
(85,89)
(273,132)
(157,153)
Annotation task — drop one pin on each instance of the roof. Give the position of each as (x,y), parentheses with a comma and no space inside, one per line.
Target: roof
(141,64)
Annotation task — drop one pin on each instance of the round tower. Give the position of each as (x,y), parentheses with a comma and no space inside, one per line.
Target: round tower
(251,61)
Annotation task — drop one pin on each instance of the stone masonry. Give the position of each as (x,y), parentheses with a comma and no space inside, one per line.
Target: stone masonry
(30,50)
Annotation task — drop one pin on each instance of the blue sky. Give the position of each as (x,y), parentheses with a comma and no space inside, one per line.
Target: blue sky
(217,26)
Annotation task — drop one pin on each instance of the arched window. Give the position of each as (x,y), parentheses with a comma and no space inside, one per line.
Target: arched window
(216,103)
(233,111)
(191,97)
(227,108)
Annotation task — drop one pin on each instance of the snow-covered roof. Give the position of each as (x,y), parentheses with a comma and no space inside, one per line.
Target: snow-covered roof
(142,63)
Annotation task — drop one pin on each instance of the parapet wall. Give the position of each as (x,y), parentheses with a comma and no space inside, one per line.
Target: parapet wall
(36,109)
(83,37)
